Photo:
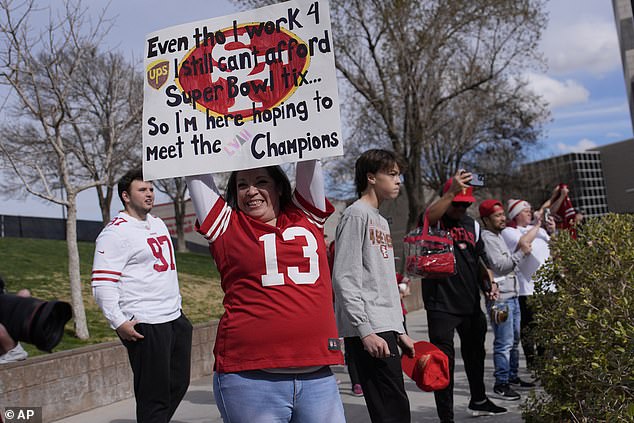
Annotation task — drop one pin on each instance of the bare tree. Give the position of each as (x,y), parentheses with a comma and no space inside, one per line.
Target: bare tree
(47,141)
(109,96)
(486,131)
(175,189)
(438,80)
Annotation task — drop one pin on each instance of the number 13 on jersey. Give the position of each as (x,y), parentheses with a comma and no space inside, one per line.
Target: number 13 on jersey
(273,276)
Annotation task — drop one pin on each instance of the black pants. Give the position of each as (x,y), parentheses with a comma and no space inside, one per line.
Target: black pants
(352,365)
(532,349)
(160,363)
(472,331)
(381,380)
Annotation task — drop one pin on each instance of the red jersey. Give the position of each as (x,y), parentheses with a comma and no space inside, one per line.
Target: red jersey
(278,291)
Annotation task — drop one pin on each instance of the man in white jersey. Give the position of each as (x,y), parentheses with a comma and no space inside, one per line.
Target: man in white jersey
(135,284)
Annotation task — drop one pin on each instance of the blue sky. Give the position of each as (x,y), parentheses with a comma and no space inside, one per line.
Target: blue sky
(583,83)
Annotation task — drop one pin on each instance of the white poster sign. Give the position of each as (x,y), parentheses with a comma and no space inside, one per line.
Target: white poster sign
(538,256)
(248,90)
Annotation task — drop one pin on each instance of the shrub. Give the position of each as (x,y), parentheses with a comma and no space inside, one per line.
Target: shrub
(587,326)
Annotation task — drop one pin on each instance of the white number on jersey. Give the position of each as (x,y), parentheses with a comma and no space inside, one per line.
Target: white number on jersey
(273,276)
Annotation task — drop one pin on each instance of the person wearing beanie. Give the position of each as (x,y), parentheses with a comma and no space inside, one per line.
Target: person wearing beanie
(453,303)
(515,207)
(521,215)
(505,312)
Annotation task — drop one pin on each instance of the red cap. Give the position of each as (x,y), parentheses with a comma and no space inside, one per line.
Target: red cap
(465,196)
(429,368)
(487,207)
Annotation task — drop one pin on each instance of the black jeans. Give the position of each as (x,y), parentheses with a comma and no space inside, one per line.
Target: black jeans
(161,364)
(531,347)
(352,365)
(381,380)
(472,331)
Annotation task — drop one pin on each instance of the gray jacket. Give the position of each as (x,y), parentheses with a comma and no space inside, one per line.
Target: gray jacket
(502,263)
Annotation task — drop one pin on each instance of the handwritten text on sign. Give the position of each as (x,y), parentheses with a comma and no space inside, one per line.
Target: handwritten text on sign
(249,90)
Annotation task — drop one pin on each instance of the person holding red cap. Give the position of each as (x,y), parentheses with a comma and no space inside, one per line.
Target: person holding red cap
(453,303)
(367,302)
(505,312)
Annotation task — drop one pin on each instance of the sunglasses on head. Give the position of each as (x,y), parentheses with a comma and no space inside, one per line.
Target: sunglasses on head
(463,204)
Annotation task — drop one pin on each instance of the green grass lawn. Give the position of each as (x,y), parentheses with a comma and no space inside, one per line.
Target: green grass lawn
(42,267)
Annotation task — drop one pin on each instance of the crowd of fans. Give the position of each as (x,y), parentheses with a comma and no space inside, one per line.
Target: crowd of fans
(290,295)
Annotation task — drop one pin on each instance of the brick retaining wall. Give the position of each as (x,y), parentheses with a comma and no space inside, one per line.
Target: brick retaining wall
(69,382)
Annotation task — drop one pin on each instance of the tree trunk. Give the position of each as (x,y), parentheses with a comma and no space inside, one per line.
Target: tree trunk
(79,313)
(104,203)
(179,215)
(415,189)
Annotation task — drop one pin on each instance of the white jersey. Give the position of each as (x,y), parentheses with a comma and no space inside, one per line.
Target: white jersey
(137,258)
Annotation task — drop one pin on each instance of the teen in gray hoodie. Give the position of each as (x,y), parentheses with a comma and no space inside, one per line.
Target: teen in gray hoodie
(367,300)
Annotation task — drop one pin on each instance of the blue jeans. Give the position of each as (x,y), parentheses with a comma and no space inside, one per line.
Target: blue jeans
(505,346)
(256,396)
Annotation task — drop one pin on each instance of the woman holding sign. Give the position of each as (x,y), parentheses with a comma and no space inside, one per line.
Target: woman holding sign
(277,335)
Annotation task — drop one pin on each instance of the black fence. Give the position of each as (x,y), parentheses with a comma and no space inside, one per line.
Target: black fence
(46,228)
(55,228)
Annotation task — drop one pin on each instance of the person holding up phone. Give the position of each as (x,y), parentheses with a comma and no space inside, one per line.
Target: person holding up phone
(536,233)
(453,303)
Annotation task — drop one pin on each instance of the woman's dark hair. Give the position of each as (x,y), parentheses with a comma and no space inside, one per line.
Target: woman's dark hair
(275,172)
(126,181)
(372,161)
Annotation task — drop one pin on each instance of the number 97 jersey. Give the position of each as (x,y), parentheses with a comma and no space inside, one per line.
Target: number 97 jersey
(278,292)
(137,257)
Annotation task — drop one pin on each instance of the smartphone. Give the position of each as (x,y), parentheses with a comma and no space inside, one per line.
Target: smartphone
(476,180)
(546,215)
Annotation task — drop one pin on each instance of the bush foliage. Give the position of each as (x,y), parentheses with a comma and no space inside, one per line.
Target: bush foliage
(587,326)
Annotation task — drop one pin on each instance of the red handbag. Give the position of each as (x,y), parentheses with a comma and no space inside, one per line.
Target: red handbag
(429,253)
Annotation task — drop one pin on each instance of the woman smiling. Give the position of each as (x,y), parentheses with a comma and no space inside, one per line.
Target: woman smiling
(277,336)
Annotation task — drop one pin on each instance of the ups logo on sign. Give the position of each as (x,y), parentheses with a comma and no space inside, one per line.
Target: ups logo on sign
(157,73)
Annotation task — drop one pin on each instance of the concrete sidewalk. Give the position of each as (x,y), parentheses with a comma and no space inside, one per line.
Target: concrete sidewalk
(198,406)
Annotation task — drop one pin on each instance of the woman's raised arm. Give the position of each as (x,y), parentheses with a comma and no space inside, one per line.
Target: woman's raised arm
(204,194)
(309,183)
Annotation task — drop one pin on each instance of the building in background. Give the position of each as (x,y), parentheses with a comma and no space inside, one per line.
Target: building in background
(582,172)
(600,180)
(625,31)
(618,172)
